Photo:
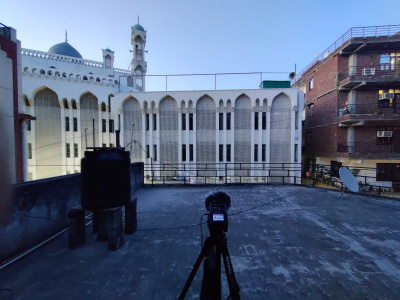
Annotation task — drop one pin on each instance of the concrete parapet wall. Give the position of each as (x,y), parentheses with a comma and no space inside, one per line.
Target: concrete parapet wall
(40,210)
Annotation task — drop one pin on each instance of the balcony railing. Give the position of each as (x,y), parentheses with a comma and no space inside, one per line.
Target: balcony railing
(368,148)
(365,109)
(5,31)
(355,32)
(365,73)
(223,173)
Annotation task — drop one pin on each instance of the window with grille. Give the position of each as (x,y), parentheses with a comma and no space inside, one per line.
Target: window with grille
(66,123)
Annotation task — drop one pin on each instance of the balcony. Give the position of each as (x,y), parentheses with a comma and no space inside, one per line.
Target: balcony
(368,114)
(368,150)
(371,76)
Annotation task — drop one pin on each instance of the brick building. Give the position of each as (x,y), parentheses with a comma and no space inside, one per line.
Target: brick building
(352,104)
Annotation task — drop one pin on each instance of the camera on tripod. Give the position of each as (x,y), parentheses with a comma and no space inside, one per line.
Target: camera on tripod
(215,247)
(218,204)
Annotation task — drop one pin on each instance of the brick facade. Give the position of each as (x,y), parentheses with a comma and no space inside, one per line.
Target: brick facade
(343,107)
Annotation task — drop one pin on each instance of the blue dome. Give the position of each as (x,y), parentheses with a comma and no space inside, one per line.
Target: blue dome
(107,50)
(64,49)
(138,27)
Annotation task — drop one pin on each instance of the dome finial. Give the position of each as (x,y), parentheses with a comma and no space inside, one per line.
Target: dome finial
(138,19)
(66,36)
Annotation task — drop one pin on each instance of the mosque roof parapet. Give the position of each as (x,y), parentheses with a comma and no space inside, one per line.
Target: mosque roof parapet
(63,58)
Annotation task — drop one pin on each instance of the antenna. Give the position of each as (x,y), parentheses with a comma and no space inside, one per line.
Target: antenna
(349,180)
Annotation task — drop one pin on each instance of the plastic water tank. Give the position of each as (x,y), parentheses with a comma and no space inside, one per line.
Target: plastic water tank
(106,178)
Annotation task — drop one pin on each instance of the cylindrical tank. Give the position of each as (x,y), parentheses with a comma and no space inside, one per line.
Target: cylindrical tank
(106,178)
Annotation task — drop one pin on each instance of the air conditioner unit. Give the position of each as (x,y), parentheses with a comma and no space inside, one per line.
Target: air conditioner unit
(386,96)
(384,133)
(368,71)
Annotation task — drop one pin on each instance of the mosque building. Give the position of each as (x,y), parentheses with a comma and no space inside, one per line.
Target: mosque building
(79,103)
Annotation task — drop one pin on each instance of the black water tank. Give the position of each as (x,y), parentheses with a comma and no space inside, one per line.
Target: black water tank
(106,178)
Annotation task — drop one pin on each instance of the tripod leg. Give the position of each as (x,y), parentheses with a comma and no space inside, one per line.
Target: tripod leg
(230,275)
(204,250)
(211,284)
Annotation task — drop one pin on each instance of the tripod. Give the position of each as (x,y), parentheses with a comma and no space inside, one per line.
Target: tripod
(214,246)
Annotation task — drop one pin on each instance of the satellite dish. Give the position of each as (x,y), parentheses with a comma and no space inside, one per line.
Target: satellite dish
(292,75)
(349,180)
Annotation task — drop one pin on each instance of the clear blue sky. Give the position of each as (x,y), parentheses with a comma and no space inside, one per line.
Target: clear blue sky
(188,36)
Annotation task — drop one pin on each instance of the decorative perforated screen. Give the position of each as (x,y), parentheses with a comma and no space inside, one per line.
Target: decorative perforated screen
(242,144)
(133,129)
(48,146)
(89,109)
(169,142)
(280,134)
(205,134)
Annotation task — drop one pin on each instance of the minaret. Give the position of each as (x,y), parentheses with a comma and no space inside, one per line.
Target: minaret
(139,65)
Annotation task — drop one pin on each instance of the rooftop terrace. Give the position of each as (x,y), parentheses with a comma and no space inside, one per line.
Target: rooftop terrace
(285,242)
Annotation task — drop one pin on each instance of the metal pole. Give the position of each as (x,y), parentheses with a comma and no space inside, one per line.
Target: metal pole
(86,136)
(94,134)
(166,83)
(215,81)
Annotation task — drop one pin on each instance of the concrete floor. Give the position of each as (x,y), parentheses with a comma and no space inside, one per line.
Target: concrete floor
(285,242)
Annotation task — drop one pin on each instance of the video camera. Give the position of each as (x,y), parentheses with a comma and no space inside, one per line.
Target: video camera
(217,204)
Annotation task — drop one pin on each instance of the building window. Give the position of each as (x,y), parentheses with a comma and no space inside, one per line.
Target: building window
(256,120)
(29,125)
(130,81)
(147,151)
(183,121)
(155,152)
(191,121)
(103,125)
(296,121)
(154,122)
(75,124)
(103,106)
(111,125)
(256,152)
(264,120)
(147,121)
(67,150)
(385,61)
(29,151)
(221,152)
(183,152)
(66,123)
(228,152)
(228,121)
(221,121)
(309,137)
(191,152)
(296,149)
(263,152)
(76,151)
(311,84)
(310,110)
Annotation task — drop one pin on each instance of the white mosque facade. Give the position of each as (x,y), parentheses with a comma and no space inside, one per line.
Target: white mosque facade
(80,103)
